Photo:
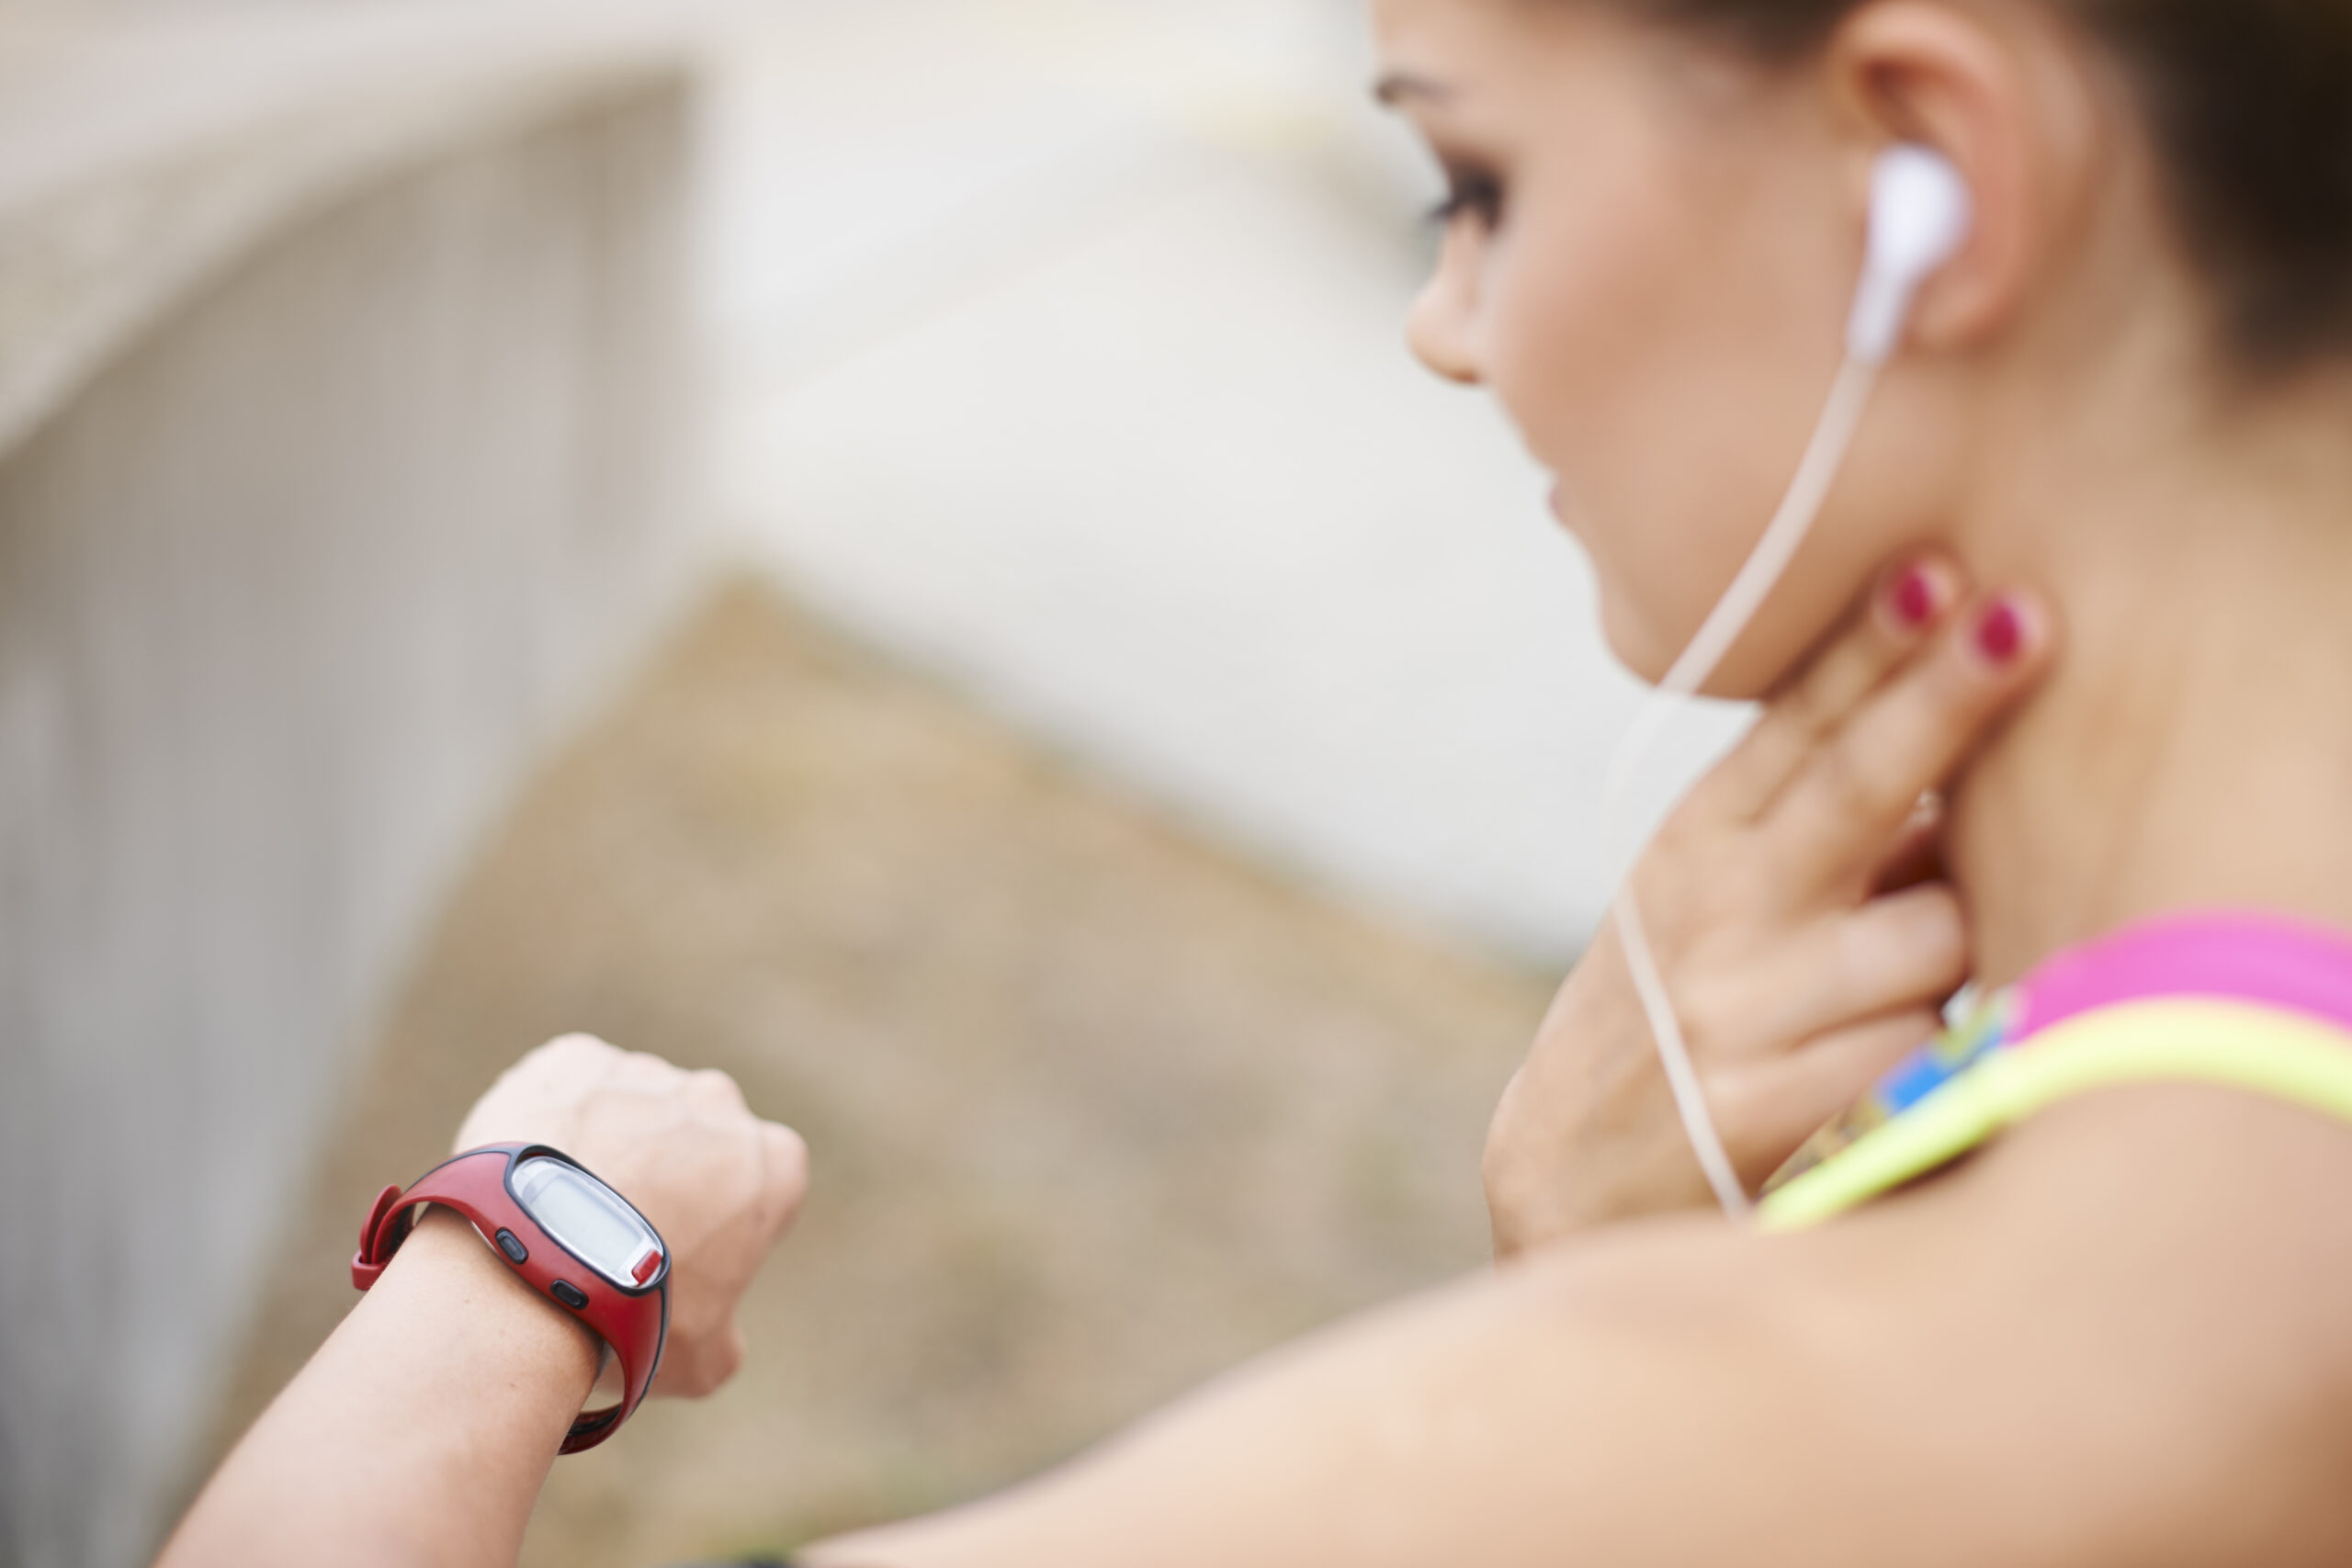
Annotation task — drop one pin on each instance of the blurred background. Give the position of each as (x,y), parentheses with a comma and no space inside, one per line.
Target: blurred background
(891,547)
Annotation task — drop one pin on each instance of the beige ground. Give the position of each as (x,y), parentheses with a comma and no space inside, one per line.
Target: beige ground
(1096,1109)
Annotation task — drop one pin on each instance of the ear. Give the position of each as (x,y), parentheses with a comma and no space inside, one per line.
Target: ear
(2005,101)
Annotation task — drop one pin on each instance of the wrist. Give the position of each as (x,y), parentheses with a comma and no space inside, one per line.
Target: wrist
(446,1268)
(420,1432)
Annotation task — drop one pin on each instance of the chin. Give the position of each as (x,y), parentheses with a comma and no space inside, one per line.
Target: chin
(1633,641)
(1648,655)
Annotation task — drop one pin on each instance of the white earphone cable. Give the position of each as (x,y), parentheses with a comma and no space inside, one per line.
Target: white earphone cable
(1824,456)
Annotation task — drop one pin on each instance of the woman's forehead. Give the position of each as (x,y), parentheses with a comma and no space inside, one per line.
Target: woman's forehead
(1420,28)
(1432,47)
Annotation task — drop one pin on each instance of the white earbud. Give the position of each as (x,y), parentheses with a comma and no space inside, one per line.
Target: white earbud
(1920,211)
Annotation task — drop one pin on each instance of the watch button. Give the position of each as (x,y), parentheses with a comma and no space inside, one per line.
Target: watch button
(513,1249)
(646,1267)
(569,1295)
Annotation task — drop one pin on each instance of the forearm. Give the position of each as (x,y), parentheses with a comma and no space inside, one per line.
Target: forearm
(1517,1419)
(2071,1350)
(420,1432)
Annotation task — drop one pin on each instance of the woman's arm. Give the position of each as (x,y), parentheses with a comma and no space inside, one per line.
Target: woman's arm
(420,1432)
(2123,1336)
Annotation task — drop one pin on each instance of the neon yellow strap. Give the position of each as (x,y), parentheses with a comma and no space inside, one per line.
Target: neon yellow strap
(2240,1045)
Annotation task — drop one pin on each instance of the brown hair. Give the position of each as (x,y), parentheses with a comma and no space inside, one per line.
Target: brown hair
(2249,103)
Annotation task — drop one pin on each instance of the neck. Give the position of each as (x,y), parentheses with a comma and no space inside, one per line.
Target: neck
(2193,748)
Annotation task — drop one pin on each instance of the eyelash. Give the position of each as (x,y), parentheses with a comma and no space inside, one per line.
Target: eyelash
(1468,194)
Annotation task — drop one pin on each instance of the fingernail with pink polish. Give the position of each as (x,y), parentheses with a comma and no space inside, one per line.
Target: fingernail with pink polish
(1915,598)
(2001,634)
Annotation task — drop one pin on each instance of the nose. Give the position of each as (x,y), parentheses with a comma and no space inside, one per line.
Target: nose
(1437,328)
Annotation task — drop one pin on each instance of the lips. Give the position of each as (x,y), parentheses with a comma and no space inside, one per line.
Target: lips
(1563,509)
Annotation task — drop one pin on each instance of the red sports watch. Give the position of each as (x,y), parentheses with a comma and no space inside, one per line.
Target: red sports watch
(574,1239)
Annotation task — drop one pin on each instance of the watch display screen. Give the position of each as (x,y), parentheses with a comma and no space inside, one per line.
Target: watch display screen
(589,1219)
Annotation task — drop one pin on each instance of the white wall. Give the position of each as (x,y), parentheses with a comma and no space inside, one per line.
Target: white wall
(1066,349)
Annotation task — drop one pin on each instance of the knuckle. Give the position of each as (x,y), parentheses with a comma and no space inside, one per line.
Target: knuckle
(786,1153)
(1852,786)
(643,1072)
(716,1085)
(580,1045)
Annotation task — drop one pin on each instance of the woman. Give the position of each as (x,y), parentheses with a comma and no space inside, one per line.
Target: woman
(2118,1332)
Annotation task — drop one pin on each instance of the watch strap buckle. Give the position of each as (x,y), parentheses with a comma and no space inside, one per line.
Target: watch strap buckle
(367,1264)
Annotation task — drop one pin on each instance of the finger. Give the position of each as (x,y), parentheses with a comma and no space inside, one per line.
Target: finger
(705,1366)
(1917,856)
(569,1052)
(569,1058)
(1833,823)
(714,1093)
(1842,1066)
(783,1180)
(1900,617)
(641,1072)
(1905,950)
(1817,1082)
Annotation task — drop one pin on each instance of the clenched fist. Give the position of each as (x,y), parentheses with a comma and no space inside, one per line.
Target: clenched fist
(717,1183)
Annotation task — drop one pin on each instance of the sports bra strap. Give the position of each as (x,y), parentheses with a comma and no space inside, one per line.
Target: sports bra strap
(2232,1044)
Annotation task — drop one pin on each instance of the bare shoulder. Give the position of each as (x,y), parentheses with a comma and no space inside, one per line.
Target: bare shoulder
(2123,1334)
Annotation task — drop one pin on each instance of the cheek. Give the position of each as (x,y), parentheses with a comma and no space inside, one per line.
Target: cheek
(1669,387)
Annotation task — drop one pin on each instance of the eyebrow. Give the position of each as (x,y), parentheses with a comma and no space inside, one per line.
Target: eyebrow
(1398,85)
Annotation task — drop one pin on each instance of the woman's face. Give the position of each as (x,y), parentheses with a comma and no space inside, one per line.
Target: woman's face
(1648,255)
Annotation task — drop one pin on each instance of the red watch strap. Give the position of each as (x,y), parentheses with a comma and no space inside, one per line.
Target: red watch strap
(379,1241)
(633,1322)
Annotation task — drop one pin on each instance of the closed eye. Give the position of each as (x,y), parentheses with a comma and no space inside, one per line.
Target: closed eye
(1470,194)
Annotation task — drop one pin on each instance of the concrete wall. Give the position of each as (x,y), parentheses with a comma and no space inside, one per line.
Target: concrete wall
(291,590)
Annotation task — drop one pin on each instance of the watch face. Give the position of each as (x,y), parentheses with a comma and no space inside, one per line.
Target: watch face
(589,1219)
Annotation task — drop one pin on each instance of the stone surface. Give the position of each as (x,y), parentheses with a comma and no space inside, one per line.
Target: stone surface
(1096,1109)
(291,592)
(145,149)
